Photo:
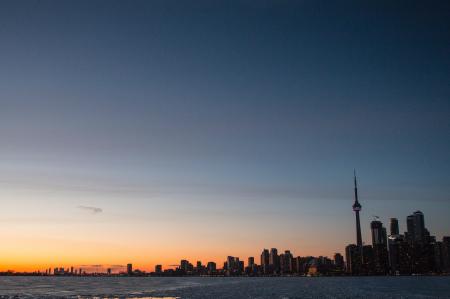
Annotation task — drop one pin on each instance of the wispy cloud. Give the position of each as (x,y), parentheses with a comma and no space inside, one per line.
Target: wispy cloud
(93,210)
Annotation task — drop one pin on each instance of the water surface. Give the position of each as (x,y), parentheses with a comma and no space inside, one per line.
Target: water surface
(223,287)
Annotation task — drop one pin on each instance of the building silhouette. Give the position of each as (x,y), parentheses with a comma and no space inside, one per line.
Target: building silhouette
(379,244)
(398,255)
(446,254)
(286,262)
(274,260)
(158,269)
(211,267)
(265,257)
(251,261)
(185,266)
(420,232)
(339,261)
(353,259)
(394,227)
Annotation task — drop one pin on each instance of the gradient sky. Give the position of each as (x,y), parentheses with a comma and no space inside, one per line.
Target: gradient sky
(201,129)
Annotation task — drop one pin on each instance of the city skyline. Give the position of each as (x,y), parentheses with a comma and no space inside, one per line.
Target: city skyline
(378,235)
(164,130)
(273,258)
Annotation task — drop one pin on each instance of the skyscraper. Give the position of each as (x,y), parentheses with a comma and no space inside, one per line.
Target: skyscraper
(274,260)
(211,267)
(265,261)
(353,259)
(416,227)
(446,253)
(399,254)
(379,245)
(231,263)
(410,228)
(339,261)
(378,233)
(185,266)
(357,209)
(419,226)
(394,227)
(251,261)
(285,262)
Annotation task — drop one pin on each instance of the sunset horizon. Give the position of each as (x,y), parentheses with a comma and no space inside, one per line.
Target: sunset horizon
(145,257)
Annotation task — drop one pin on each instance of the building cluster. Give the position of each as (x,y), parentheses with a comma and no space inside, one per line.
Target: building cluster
(61,271)
(414,252)
(271,264)
(57,271)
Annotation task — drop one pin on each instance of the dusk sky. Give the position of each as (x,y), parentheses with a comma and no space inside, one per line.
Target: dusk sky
(151,131)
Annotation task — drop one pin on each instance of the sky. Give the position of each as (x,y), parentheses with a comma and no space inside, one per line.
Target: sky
(147,132)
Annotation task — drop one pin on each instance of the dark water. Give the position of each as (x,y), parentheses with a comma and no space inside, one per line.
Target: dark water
(209,287)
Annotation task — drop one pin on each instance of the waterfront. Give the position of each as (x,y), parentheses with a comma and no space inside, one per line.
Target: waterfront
(232,287)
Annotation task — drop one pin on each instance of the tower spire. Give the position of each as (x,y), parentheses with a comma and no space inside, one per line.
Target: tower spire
(356,205)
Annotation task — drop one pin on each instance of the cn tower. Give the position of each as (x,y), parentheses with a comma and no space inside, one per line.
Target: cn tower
(357,208)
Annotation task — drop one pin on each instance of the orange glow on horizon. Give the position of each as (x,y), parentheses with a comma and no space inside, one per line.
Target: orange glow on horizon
(30,263)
